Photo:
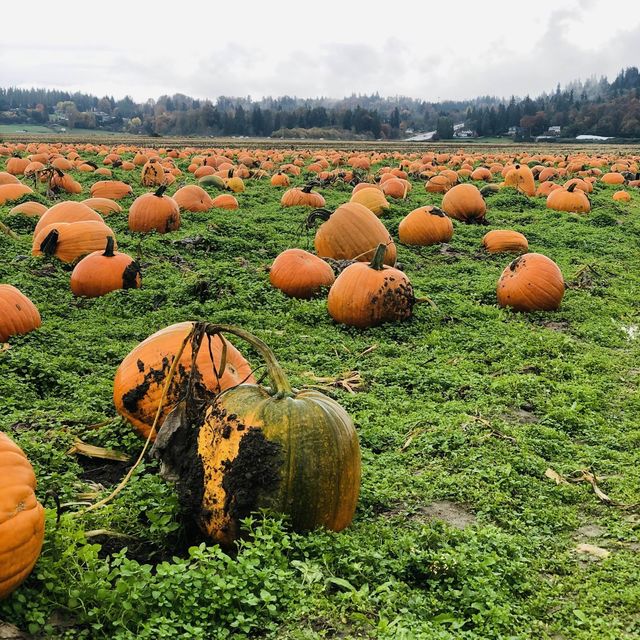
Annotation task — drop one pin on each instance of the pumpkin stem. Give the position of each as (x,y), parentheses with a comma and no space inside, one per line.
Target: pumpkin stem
(160,191)
(50,243)
(377,262)
(108,252)
(278,378)
(571,187)
(437,211)
(317,214)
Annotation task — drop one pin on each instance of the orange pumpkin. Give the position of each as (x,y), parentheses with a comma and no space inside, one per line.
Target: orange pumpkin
(67,211)
(18,315)
(9,192)
(366,295)
(505,241)
(104,271)
(300,274)
(140,378)
(372,198)
(193,198)
(69,241)
(154,212)
(152,174)
(21,517)
(531,282)
(304,197)
(464,202)
(351,232)
(425,226)
(112,189)
(569,199)
(224,201)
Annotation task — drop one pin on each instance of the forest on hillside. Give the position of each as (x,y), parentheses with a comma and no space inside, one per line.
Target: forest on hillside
(595,106)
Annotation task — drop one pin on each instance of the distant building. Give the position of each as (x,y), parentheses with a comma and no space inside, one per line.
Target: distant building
(590,137)
(554,131)
(464,133)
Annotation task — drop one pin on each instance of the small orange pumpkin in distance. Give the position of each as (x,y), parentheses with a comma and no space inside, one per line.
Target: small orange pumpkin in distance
(622,196)
(104,271)
(18,315)
(112,189)
(300,274)
(140,378)
(21,517)
(425,226)
(193,198)
(154,212)
(464,202)
(505,241)
(225,201)
(366,295)
(531,282)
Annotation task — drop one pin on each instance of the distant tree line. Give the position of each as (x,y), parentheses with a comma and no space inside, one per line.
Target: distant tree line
(595,106)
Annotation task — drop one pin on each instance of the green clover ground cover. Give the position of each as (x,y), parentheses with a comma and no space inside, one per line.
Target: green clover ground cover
(460,412)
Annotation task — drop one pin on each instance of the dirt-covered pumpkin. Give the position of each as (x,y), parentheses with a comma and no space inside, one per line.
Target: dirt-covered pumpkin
(21,517)
(425,226)
(300,274)
(276,448)
(140,378)
(366,295)
(154,212)
(351,232)
(18,315)
(505,241)
(152,173)
(104,271)
(464,202)
(531,282)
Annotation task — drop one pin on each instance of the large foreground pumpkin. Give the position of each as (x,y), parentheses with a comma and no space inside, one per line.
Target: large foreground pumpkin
(21,517)
(292,452)
(141,376)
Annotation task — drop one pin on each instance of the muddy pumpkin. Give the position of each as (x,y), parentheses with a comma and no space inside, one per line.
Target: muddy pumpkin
(141,376)
(275,448)
(366,295)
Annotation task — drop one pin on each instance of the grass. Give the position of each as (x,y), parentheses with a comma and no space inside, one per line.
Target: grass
(461,412)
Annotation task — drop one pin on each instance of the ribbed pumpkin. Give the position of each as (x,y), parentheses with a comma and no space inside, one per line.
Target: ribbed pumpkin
(140,378)
(438,184)
(300,274)
(291,452)
(531,282)
(464,202)
(18,315)
(8,178)
(64,182)
(193,198)
(21,517)
(279,180)
(154,212)
(152,174)
(304,197)
(112,189)
(17,165)
(366,295)
(67,211)
(69,241)
(505,241)
(103,271)
(351,232)
(425,226)
(372,198)
(569,199)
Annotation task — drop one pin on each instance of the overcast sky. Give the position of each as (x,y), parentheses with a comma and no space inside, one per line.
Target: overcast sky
(421,49)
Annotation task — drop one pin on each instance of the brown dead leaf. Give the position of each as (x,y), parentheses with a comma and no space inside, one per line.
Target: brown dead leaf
(91,451)
(410,437)
(5,346)
(554,475)
(592,550)
(350,381)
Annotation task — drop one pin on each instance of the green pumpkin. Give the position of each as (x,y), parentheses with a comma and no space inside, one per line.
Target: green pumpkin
(211,181)
(291,452)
